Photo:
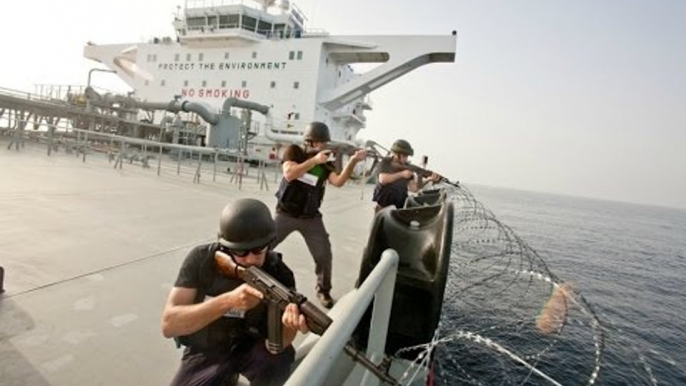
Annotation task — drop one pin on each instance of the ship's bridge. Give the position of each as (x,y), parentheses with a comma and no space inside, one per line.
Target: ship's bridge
(208,20)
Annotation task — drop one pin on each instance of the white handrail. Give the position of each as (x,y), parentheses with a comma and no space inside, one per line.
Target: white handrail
(380,284)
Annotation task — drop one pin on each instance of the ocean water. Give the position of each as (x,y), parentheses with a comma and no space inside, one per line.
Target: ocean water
(622,321)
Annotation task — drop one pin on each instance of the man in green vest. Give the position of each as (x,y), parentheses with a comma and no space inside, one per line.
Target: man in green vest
(305,174)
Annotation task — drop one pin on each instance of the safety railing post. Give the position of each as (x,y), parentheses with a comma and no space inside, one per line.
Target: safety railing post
(196,178)
(159,162)
(214,170)
(378,329)
(316,366)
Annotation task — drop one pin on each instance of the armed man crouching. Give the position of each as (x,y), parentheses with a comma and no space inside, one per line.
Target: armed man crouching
(220,319)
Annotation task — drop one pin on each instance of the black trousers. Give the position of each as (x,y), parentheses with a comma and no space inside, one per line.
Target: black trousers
(251,359)
(317,240)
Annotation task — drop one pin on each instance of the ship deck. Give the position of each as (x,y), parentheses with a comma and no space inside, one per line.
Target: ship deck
(91,252)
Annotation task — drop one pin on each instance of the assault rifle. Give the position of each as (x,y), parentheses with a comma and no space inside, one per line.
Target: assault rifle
(277,296)
(336,148)
(425,173)
(339,149)
(342,148)
(373,148)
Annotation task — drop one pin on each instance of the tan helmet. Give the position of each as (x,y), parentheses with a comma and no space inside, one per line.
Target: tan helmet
(401,146)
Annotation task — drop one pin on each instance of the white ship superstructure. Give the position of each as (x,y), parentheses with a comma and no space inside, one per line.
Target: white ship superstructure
(265,55)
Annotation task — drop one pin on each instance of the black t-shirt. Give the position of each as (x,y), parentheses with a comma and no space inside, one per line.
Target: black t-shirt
(199,271)
(297,154)
(394,193)
(304,196)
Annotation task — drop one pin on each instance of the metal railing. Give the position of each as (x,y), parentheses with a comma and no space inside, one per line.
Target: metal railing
(21,94)
(194,4)
(379,285)
(121,148)
(48,92)
(222,30)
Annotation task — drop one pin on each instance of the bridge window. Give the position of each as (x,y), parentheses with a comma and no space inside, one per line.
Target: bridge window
(249,23)
(188,57)
(223,21)
(300,55)
(291,55)
(273,84)
(201,56)
(244,84)
(176,57)
(234,21)
(278,29)
(264,27)
(185,83)
(195,23)
(204,83)
(212,21)
(163,82)
(296,85)
(226,55)
(254,55)
(223,83)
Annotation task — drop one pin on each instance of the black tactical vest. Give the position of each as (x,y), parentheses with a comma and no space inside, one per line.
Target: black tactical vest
(300,199)
(394,193)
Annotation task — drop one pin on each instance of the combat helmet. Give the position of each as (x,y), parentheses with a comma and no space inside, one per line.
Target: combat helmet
(246,224)
(317,132)
(401,146)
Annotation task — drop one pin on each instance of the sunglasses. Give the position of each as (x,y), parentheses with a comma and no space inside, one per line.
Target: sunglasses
(245,252)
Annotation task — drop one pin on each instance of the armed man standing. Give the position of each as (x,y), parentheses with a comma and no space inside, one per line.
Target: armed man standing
(305,174)
(221,319)
(395,180)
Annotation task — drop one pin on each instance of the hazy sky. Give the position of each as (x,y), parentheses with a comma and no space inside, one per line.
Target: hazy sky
(578,97)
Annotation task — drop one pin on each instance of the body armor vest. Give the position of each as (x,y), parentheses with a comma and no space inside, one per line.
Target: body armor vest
(394,193)
(301,197)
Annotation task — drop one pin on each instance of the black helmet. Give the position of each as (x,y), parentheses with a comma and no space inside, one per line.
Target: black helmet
(317,132)
(246,224)
(401,146)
